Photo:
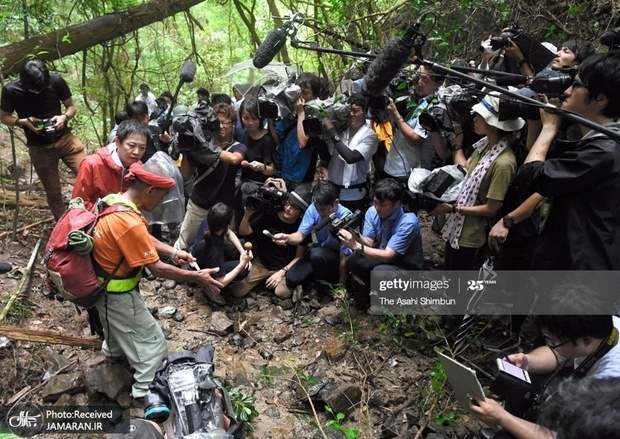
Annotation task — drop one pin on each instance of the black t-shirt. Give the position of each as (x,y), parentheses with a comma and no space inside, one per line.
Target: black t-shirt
(219,186)
(258,150)
(15,98)
(271,255)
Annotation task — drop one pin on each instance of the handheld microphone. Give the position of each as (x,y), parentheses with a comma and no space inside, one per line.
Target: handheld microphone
(188,71)
(269,48)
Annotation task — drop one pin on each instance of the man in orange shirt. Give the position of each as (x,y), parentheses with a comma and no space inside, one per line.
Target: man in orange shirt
(122,247)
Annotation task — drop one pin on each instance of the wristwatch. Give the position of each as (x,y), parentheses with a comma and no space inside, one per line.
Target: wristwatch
(508,221)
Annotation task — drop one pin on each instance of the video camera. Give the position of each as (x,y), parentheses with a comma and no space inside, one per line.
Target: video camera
(194,128)
(425,192)
(450,106)
(335,224)
(334,108)
(267,197)
(552,83)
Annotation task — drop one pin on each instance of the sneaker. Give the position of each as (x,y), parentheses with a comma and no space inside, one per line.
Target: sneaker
(501,341)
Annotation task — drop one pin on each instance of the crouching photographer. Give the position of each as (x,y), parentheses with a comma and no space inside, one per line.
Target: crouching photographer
(579,346)
(390,241)
(272,210)
(325,258)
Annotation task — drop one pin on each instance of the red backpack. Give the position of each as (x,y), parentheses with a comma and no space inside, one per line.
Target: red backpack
(71,274)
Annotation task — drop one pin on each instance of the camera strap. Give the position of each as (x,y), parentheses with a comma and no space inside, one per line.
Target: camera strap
(606,345)
(211,168)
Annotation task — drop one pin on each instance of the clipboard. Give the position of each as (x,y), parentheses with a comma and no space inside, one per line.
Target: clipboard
(463,380)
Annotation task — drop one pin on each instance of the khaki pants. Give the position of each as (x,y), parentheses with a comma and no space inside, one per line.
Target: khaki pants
(194,216)
(45,159)
(131,331)
(258,274)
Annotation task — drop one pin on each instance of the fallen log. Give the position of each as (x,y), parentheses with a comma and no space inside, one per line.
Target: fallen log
(49,337)
(26,227)
(24,281)
(9,200)
(81,36)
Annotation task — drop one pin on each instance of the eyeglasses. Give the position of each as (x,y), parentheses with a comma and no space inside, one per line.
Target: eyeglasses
(552,342)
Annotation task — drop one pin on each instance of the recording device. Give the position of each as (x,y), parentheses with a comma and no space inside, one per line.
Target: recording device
(394,57)
(267,108)
(440,186)
(553,85)
(534,52)
(184,387)
(611,39)
(46,125)
(268,234)
(274,42)
(267,197)
(453,103)
(335,224)
(334,108)
(514,386)
(194,129)
(438,183)
(188,72)
(511,370)
(313,127)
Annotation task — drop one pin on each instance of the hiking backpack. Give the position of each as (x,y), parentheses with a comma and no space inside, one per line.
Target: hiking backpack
(68,260)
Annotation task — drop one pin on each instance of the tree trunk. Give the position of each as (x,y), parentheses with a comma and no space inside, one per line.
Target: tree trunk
(78,37)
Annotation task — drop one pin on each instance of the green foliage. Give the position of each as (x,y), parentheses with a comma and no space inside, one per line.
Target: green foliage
(243,405)
(336,424)
(307,380)
(270,373)
(344,302)
(446,419)
(19,311)
(438,377)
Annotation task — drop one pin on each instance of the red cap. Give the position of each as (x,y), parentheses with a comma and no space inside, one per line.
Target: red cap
(137,172)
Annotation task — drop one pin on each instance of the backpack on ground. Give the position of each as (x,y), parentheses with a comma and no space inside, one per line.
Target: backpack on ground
(68,260)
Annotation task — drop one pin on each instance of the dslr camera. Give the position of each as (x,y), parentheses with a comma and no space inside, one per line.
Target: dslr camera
(335,224)
(267,197)
(46,125)
(535,53)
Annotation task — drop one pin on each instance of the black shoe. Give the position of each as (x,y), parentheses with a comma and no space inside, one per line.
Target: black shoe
(5,267)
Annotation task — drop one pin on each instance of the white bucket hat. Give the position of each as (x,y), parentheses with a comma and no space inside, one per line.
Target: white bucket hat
(488,109)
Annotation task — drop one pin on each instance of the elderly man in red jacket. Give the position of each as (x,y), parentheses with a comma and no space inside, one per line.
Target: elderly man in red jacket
(102,173)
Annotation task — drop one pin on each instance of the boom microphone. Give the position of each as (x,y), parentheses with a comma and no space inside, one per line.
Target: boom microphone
(269,48)
(188,71)
(386,66)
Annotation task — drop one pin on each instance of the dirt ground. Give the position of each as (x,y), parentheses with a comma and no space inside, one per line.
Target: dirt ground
(321,350)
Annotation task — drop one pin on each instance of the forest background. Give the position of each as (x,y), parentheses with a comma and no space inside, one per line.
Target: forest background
(217,34)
